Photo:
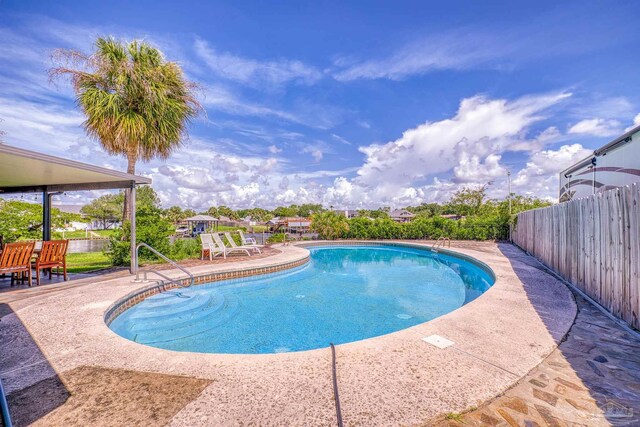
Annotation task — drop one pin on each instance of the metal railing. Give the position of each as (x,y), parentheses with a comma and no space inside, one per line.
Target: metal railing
(441,242)
(6,415)
(164,276)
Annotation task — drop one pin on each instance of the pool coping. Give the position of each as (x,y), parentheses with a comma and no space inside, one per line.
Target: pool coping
(391,379)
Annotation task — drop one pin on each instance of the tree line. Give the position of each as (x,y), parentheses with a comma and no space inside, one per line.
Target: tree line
(475,218)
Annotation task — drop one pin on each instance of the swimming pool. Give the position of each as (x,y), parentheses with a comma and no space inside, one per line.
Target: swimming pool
(343,294)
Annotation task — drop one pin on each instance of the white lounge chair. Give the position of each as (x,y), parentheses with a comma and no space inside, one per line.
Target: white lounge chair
(250,242)
(214,248)
(229,249)
(233,245)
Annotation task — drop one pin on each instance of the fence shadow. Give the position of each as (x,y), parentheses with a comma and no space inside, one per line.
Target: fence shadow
(596,368)
(33,387)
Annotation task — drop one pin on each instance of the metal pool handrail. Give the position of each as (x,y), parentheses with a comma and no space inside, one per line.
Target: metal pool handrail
(164,276)
(441,242)
(6,415)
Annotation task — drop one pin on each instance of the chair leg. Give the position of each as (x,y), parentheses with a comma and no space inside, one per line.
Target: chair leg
(37,277)
(29,275)
(64,269)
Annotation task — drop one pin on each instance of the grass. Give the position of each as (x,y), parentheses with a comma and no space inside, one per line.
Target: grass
(454,416)
(87,261)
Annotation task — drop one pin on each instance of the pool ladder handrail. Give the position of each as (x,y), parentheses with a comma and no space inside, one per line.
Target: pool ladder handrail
(164,276)
(4,407)
(441,242)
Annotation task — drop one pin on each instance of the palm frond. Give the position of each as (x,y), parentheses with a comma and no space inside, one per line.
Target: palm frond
(137,104)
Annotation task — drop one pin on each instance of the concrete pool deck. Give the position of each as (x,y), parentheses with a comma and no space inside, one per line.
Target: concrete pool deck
(395,379)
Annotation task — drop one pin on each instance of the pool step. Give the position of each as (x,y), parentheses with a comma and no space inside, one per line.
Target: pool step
(190,325)
(173,307)
(171,319)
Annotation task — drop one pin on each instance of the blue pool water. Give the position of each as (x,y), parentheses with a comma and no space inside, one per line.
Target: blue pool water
(343,294)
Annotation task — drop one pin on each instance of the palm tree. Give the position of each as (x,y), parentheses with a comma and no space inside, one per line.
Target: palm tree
(137,104)
(330,225)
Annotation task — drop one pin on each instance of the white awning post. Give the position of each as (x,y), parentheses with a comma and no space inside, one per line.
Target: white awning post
(132,210)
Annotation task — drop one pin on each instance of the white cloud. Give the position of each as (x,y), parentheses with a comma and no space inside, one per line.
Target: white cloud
(467,147)
(636,122)
(472,169)
(274,150)
(40,126)
(481,128)
(596,127)
(608,107)
(315,152)
(220,98)
(453,50)
(340,139)
(254,73)
(540,175)
(476,47)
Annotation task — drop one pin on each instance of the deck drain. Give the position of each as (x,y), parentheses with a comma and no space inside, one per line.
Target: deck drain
(438,341)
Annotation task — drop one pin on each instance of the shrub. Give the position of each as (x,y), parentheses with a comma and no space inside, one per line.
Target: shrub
(276,238)
(152,228)
(185,249)
(330,225)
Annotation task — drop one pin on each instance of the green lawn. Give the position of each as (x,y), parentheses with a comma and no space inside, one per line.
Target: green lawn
(88,261)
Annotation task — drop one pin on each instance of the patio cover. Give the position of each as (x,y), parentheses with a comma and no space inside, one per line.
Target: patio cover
(24,171)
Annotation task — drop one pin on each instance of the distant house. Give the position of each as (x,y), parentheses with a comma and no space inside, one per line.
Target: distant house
(349,213)
(289,225)
(401,215)
(298,225)
(83,225)
(228,222)
(247,221)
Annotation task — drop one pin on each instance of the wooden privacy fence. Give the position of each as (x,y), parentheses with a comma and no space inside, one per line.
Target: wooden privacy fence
(594,243)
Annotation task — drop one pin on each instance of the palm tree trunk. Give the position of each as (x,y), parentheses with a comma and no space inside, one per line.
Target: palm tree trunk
(131,169)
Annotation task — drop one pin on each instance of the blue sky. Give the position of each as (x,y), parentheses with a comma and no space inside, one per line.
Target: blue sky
(352,105)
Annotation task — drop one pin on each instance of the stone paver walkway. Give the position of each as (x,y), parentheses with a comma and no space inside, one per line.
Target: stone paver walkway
(591,379)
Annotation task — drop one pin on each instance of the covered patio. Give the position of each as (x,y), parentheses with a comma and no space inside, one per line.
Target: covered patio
(24,171)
